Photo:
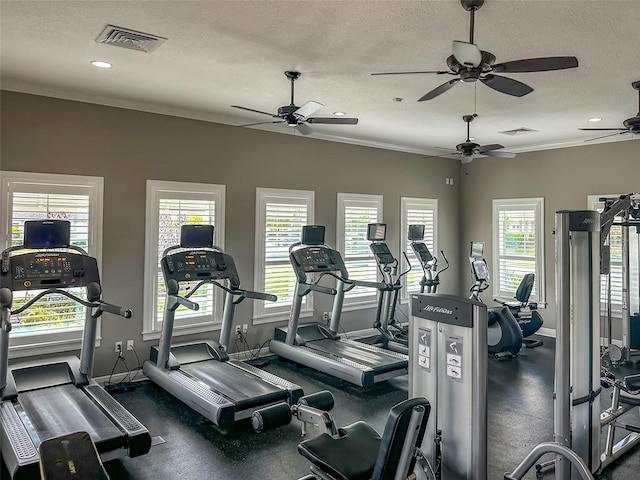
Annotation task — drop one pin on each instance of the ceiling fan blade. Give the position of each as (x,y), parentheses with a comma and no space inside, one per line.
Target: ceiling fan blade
(439,72)
(259,123)
(333,120)
(604,129)
(308,108)
(468,54)
(605,136)
(303,129)
(486,148)
(497,153)
(439,90)
(506,85)
(543,64)
(446,148)
(256,111)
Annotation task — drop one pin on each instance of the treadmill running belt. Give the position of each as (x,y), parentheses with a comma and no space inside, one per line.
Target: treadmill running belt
(379,362)
(244,389)
(66,409)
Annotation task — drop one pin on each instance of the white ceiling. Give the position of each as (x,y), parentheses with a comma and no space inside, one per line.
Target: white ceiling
(221,53)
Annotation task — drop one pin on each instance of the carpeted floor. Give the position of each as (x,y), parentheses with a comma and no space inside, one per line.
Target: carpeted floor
(520,416)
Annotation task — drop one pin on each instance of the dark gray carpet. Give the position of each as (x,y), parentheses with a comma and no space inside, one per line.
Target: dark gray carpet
(520,416)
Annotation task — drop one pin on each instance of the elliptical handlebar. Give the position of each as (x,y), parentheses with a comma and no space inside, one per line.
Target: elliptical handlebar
(438,272)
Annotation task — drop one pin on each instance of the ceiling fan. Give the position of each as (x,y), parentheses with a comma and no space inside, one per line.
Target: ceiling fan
(298,117)
(631,125)
(471,64)
(468,150)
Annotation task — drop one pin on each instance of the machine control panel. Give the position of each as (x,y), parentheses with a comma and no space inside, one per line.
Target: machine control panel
(422,252)
(316,258)
(382,253)
(198,265)
(49,269)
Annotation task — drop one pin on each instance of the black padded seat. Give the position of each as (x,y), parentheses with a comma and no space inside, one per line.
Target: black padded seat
(632,382)
(350,457)
(360,453)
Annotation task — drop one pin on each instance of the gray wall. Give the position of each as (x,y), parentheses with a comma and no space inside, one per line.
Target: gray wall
(126,147)
(564,177)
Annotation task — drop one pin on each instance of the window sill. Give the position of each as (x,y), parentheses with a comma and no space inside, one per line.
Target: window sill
(46,347)
(278,317)
(184,330)
(349,307)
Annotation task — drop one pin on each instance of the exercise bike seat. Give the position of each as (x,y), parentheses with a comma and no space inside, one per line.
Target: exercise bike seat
(359,453)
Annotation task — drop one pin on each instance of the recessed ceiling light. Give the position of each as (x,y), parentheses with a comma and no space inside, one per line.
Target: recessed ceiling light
(595,119)
(339,114)
(101,64)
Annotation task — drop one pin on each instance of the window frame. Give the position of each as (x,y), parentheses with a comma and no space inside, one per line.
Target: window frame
(47,183)
(416,203)
(262,314)
(155,191)
(344,200)
(537,205)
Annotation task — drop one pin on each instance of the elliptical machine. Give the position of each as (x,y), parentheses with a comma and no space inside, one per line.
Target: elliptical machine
(430,273)
(393,335)
(504,336)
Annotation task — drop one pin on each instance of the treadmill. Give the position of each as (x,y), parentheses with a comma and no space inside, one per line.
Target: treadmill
(44,399)
(318,346)
(200,373)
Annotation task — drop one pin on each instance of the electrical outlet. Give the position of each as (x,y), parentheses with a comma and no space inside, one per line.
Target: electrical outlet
(129,344)
(118,347)
(245,328)
(326,316)
(238,329)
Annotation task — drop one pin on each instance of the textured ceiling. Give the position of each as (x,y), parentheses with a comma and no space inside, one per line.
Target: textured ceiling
(221,53)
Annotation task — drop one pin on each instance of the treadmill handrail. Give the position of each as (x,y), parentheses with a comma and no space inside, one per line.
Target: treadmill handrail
(213,248)
(107,307)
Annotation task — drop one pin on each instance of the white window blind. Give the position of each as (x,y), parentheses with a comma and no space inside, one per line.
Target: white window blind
(169,206)
(518,246)
(355,212)
(55,319)
(281,214)
(417,211)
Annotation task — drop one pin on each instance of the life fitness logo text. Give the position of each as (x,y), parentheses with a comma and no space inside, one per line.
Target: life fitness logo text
(434,309)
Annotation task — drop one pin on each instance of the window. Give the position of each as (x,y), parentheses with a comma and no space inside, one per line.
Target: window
(417,211)
(615,242)
(518,246)
(169,206)
(355,212)
(55,323)
(280,216)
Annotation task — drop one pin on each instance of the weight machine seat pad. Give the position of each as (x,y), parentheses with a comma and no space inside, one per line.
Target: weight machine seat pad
(352,456)
(69,457)
(629,399)
(632,382)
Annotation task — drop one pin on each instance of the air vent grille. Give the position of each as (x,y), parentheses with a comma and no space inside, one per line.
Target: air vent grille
(519,131)
(131,39)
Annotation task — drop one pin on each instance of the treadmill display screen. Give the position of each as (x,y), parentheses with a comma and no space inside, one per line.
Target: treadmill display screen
(196,236)
(314,259)
(47,233)
(313,235)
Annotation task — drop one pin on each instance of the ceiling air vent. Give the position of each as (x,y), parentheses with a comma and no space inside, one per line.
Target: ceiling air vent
(131,39)
(519,131)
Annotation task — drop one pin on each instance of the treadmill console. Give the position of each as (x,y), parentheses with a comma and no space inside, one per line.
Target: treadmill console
(422,252)
(316,258)
(382,253)
(49,269)
(197,265)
